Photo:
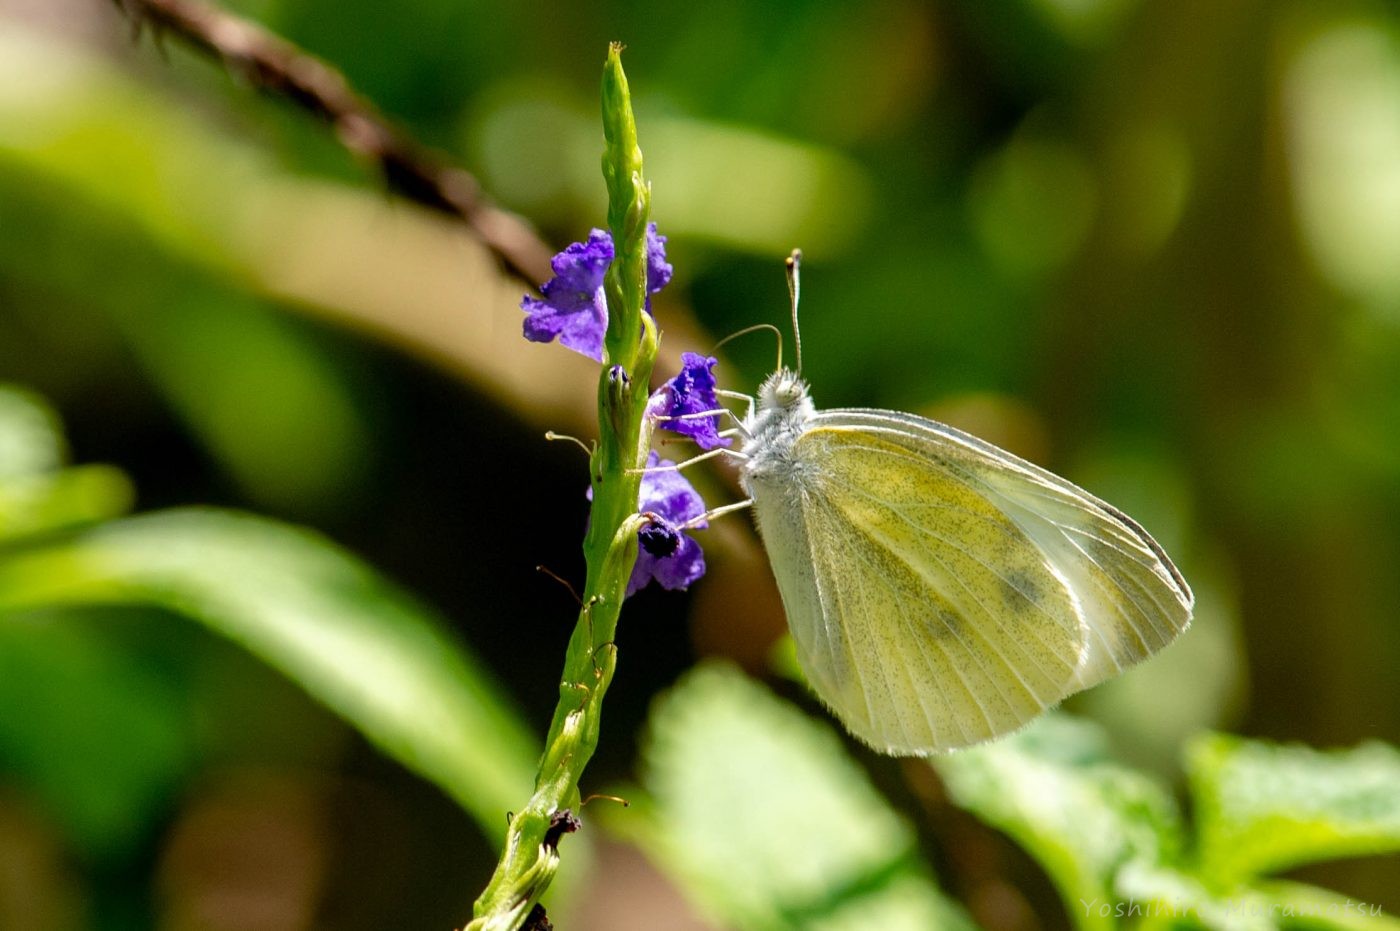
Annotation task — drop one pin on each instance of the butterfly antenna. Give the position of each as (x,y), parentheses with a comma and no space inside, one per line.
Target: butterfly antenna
(794,280)
(753,329)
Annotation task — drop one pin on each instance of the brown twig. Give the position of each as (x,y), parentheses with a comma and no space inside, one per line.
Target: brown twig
(416,172)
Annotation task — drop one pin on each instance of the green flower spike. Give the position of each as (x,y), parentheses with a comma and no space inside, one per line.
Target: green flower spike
(530,857)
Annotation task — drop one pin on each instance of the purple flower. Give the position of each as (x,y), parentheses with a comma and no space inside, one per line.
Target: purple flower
(659,538)
(573,307)
(690,392)
(658,269)
(665,553)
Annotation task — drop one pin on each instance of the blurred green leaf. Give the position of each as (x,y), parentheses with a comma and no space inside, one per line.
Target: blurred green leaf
(102,773)
(1311,907)
(724,182)
(1170,898)
(1342,100)
(269,401)
(136,209)
(1197,684)
(31,435)
(351,639)
(35,493)
(762,817)
(1032,205)
(63,499)
(1167,898)
(1053,790)
(1263,807)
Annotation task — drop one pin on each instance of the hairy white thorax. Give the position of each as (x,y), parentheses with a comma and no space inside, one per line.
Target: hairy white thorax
(782,414)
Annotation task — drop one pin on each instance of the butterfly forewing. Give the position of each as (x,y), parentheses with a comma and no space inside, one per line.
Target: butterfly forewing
(940,590)
(1132,600)
(934,624)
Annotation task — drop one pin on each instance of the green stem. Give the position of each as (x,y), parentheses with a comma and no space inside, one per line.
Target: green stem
(531,856)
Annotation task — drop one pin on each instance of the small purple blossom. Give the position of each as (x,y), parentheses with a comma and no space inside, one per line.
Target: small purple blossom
(666,553)
(669,497)
(573,307)
(691,392)
(659,538)
(658,269)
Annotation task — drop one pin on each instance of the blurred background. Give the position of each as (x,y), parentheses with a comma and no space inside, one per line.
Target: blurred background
(1151,244)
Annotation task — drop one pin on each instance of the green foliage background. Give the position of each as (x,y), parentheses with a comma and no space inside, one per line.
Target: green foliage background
(1154,245)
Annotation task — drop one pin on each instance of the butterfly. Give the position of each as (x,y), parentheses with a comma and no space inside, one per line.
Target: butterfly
(940,590)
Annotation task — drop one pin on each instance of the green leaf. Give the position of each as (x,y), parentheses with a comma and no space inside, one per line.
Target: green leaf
(31,435)
(1051,788)
(67,498)
(1168,898)
(1304,906)
(351,639)
(1264,807)
(759,814)
(104,772)
(36,494)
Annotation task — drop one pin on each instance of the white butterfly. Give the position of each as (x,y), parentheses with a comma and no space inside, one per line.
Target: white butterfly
(940,590)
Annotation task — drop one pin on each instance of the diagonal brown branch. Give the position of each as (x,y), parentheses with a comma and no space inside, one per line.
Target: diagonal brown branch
(410,169)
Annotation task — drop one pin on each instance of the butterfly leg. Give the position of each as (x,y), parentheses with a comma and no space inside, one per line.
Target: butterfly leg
(716,512)
(720,451)
(705,415)
(738,396)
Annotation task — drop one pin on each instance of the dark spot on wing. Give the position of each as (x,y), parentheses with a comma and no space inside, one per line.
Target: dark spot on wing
(1019,589)
(946,624)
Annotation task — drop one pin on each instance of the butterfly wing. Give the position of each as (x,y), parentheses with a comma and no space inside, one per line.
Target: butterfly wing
(942,592)
(1132,599)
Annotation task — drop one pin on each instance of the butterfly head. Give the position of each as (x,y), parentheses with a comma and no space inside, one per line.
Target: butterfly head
(784,390)
(780,417)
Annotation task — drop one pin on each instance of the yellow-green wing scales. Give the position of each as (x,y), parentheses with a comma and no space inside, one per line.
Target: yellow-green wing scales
(937,625)
(940,590)
(1132,600)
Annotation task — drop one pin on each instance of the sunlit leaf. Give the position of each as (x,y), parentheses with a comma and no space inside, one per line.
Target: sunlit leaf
(35,493)
(1263,807)
(348,637)
(1311,907)
(65,498)
(31,437)
(1164,897)
(1051,788)
(764,820)
(118,160)
(1168,898)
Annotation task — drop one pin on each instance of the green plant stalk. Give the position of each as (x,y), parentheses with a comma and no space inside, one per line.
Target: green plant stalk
(531,856)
